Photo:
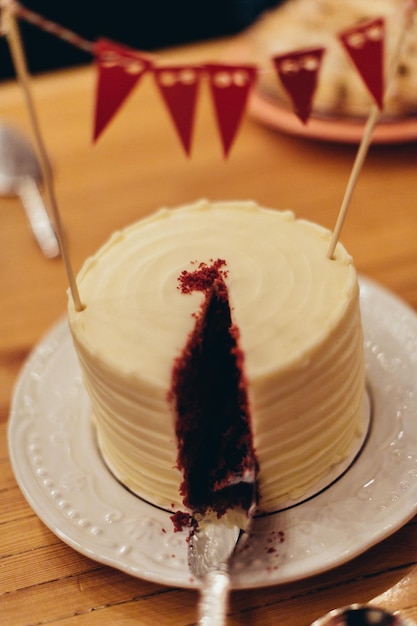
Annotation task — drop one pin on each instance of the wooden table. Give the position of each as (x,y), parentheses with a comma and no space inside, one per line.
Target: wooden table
(137,166)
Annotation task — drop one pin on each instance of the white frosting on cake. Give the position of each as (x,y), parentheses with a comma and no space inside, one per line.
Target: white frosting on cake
(298,316)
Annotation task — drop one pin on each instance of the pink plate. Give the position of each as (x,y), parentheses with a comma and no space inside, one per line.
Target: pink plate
(271,113)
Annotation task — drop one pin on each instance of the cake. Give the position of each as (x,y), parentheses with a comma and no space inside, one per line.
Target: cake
(218,343)
(304,24)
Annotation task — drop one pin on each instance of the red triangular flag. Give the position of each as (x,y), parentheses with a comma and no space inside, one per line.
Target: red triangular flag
(365,46)
(230,86)
(119,69)
(298,72)
(179,89)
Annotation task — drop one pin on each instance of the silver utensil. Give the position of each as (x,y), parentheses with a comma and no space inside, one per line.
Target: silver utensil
(375,612)
(21,175)
(361,615)
(210,549)
(211,546)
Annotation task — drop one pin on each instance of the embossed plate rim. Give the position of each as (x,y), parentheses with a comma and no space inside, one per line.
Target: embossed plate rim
(62,476)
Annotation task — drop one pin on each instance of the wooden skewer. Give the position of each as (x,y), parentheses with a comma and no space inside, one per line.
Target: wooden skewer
(19,61)
(357,166)
(408,9)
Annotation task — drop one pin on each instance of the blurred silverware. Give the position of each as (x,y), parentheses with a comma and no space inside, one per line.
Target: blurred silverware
(21,175)
(361,615)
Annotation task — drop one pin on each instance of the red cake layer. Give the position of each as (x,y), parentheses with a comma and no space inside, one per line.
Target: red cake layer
(209,394)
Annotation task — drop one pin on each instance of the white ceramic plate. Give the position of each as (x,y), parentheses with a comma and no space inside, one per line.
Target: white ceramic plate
(60,472)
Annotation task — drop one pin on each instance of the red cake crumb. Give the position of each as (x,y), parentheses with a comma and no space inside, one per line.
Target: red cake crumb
(203,278)
(182,520)
(208,392)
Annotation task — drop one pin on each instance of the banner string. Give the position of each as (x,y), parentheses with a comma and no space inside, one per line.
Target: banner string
(51,27)
(65,34)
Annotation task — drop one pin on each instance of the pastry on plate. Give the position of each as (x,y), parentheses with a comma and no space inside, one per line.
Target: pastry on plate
(341,92)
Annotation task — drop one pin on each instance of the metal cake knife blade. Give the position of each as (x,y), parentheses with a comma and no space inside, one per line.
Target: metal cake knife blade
(210,548)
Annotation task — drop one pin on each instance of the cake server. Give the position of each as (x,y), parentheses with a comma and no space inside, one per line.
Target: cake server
(211,546)
(21,175)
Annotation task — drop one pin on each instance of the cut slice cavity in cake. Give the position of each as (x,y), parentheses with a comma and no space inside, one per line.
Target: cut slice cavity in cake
(215,446)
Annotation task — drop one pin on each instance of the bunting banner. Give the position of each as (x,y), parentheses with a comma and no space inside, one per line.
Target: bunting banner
(121,68)
(299,72)
(230,86)
(179,87)
(365,46)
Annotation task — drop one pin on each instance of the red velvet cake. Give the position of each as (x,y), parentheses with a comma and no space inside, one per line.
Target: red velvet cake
(219,341)
(215,444)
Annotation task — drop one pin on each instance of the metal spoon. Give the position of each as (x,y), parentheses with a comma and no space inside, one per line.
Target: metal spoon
(21,175)
(376,612)
(361,615)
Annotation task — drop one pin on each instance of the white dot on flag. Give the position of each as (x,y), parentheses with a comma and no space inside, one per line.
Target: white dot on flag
(167,78)
(375,33)
(240,78)
(222,79)
(356,40)
(109,59)
(188,76)
(309,63)
(134,67)
(290,66)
